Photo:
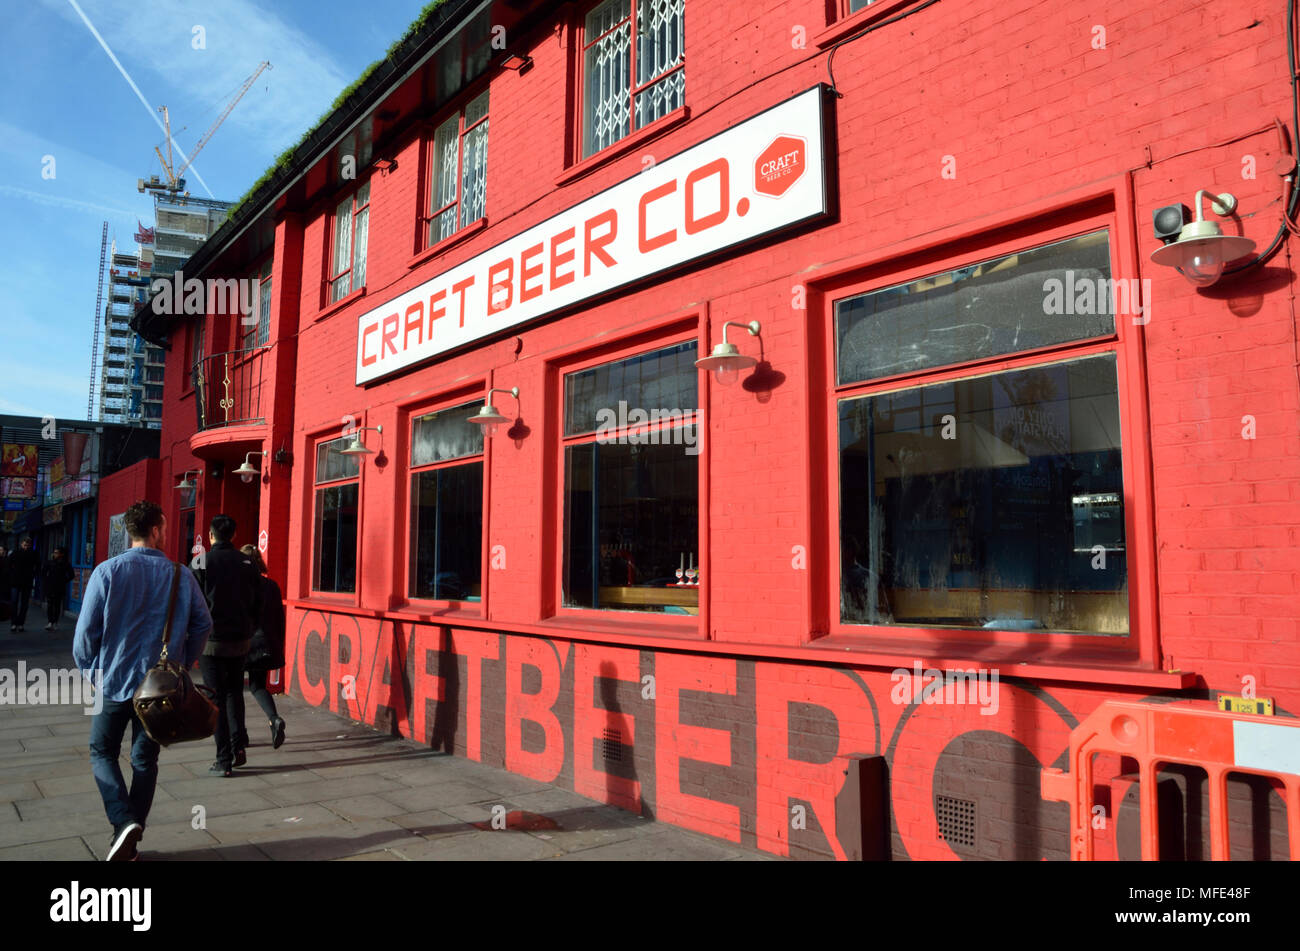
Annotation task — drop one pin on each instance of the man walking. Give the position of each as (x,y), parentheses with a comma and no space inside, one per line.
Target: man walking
(58,572)
(232,588)
(119,634)
(22,575)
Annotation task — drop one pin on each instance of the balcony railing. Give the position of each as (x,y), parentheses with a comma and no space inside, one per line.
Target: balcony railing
(228,388)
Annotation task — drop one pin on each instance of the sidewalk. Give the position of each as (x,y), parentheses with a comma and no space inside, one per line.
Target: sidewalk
(334,790)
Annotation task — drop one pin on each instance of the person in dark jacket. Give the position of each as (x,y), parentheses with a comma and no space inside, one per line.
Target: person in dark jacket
(267,652)
(58,572)
(22,576)
(231,586)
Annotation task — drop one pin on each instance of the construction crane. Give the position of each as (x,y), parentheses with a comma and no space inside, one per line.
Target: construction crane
(174,183)
(99,318)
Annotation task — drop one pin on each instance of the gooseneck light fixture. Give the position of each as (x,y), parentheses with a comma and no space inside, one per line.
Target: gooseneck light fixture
(726,361)
(488,416)
(1201,248)
(246,470)
(186,482)
(357,447)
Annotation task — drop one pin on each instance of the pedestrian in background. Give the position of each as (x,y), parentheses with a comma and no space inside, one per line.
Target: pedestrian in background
(231,586)
(267,651)
(119,628)
(22,576)
(58,572)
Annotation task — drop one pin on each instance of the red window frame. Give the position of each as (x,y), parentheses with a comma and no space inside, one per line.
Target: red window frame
(670,334)
(582,45)
(309,548)
(442,606)
(333,278)
(429,215)
(1140,646)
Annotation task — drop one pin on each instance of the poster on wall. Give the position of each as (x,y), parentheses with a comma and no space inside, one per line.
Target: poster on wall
(118,541)
(18,459)
(17,488)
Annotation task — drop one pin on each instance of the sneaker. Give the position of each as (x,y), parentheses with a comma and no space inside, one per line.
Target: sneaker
(277,733)
(240,758)
(123,842)
(50,626)
(219,769)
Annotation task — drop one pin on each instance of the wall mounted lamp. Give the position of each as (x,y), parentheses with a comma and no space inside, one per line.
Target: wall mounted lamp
(726,361)
(246,470)
(186,482)
(487,415)
(1201,248)
(384,164)
(517,62)
(357,447)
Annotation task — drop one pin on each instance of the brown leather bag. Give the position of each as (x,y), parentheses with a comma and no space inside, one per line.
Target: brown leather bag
(171,707)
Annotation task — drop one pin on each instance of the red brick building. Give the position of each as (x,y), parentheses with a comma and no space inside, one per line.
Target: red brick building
(980,431)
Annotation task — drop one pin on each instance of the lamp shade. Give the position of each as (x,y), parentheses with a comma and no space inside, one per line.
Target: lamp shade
(74,447)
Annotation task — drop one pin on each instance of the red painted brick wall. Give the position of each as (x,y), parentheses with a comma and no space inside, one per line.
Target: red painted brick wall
(118,491)
(1018,99)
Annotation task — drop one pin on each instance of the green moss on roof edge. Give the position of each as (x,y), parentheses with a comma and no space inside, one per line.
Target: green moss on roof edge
(286,158)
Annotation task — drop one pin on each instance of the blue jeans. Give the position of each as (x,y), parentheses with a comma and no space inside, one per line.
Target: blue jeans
(106,732)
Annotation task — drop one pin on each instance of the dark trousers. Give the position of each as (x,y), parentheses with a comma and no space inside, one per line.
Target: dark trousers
(54,605)
(257,684)
(225,675)
(106,731)
(22,598)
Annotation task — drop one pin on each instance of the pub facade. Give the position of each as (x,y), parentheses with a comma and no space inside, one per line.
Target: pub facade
(737,413)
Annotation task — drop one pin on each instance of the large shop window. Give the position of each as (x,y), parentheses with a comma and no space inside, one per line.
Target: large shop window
(631,483)
(447,505)
(458,166)
(348,257)
(335,541)
(992,500)
(628,84)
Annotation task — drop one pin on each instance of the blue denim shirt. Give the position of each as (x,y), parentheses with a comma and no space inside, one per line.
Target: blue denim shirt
(120,627)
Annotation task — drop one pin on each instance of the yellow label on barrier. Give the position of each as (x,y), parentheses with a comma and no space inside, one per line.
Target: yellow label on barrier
(1260,706)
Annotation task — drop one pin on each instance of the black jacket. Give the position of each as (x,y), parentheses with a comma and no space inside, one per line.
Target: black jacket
(57,574)
(231,586)
(267,652)
(22,568)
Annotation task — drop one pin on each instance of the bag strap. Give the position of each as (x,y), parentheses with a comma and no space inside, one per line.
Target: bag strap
(171,603)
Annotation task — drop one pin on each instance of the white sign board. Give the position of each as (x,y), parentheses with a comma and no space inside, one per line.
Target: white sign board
(765,174)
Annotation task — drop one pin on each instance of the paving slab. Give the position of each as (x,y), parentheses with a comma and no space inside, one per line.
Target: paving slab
(71,849)
(357,808)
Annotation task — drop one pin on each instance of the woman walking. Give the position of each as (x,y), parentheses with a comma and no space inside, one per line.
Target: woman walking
(267,652)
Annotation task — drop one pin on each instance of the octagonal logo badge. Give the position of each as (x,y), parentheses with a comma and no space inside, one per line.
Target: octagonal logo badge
(780,165)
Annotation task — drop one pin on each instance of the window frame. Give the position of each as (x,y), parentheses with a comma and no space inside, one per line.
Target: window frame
(314,442)
(677,329)
(961,248)
(332,278)
(841,21)
(426,216)
(259,334)
(443,606)
(580,154)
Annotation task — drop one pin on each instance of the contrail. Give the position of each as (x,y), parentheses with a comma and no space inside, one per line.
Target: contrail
(139,95)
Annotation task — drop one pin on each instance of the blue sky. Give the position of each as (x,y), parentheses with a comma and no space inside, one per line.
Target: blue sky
(64,98)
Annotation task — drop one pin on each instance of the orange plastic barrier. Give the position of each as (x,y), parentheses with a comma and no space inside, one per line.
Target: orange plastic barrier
(1193,733)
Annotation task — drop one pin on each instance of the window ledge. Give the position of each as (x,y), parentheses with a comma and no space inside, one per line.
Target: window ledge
(855,21)
(339,304)
(623,146)
(446,244)
(1079,664)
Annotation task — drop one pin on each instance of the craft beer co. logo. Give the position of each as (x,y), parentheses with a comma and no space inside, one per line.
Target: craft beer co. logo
(780,165)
